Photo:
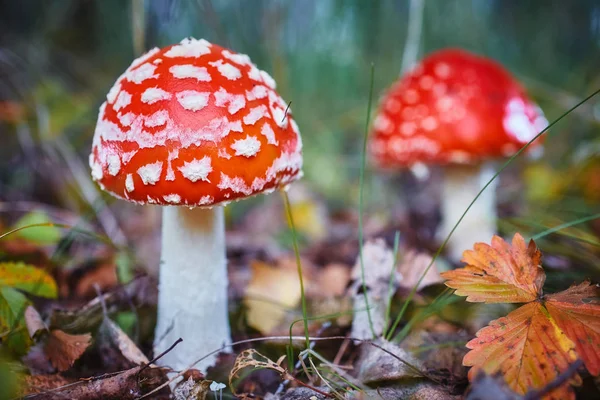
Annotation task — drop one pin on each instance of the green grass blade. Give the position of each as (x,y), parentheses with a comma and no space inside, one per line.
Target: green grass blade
(363,166)
(288,210)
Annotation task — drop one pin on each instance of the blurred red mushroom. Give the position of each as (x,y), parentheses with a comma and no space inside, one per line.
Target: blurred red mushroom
(460,110)
(191,127)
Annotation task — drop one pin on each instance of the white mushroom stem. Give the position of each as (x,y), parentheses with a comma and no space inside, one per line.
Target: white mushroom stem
(192,290)
(461,185)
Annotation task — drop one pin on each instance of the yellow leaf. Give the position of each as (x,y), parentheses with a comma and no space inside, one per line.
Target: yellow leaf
(272,291)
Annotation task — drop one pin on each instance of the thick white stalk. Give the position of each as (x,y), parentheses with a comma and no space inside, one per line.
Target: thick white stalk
(192,289)
(461,185)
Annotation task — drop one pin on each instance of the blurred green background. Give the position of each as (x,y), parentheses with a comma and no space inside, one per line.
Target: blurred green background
(59,58)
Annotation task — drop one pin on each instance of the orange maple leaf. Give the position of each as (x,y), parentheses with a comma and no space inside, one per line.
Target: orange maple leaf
(532,345)
(577,312)
(499,273)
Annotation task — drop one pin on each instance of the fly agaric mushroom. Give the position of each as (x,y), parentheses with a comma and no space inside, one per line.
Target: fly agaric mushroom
(191,127)
(460,110)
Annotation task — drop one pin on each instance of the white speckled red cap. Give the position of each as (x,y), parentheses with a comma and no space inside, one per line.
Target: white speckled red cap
(194,124)
(453,107)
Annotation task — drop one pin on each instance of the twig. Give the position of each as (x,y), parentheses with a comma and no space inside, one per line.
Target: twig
(158,357)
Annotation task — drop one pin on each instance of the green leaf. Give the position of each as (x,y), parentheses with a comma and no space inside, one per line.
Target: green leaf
(12,306)
(27,278)
(41,235)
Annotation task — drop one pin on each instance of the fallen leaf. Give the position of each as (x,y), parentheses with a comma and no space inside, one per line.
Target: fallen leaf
(34,322)
(528,349)
(269,295)
(332,281)
(377,365)
(499,273)
(192,389)
(577,312)
(412,267)
(63,349)
(126,346)
(535,343)
(378,260)
(253,359)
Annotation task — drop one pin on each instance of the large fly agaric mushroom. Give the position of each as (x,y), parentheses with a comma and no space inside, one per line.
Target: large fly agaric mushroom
(192,127)
(460,110)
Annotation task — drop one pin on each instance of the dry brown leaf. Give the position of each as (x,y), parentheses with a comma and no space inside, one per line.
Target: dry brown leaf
(64,349)
(126,346)
(253,359)
(412,267)
(272,291)
(333,281)
(192,389)
(34,321)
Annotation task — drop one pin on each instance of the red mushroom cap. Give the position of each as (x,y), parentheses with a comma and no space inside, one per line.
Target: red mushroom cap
(194,124)
(453,107)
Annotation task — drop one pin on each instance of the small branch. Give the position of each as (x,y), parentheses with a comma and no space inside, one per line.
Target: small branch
(162,354)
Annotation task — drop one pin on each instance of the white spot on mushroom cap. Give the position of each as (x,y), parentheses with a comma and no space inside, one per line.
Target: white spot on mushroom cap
(229,71)
(157,61)
(193,100)
(157,119)
(112,93)
(254,73)
(442,70)
(150,173)
(204,200)
(267,131)
(196,170)
(184,71)
(154,94)
(114,164)
(223,154)
(411,96)
(236,101)
(255,114)
(517,123)
(257,92)
(247,147)
(127,156)
(383,124)
(123,100)
(240,59)
(439,89)
(173,198)
(280,116)
(189,47)
(393,105)
(129,186)
(126,119)
(235,184)
(429,123)
(268,79)
(408,128)
(138,75)
(97,173)
(143,58)
(426,82)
